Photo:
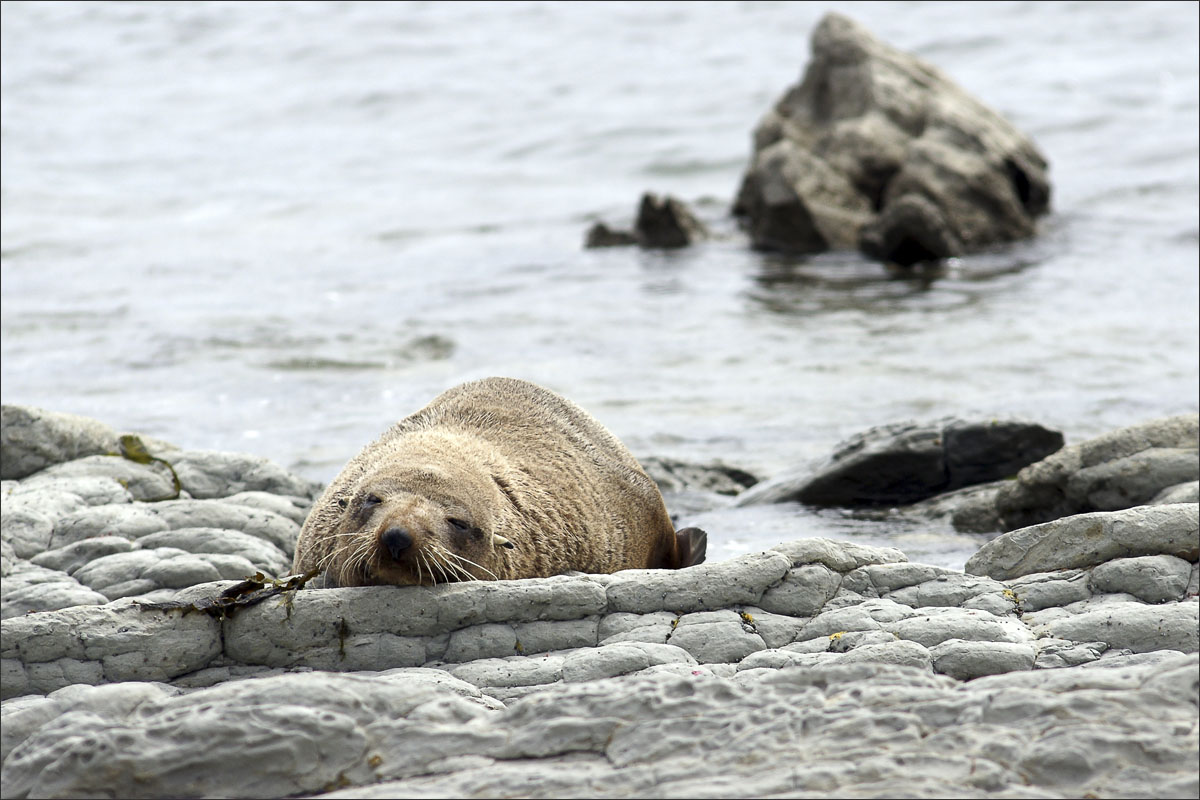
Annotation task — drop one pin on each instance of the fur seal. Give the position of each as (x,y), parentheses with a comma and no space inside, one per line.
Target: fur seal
(495,479)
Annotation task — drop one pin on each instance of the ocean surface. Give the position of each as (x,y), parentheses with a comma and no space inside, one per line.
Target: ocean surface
(277,228)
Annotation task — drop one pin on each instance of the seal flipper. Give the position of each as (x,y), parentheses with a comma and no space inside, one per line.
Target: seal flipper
(691,546)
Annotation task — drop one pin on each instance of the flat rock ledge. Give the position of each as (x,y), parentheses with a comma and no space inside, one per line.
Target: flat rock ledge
(815,667)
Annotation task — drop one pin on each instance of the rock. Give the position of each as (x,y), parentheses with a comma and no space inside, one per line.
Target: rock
(29,588)
(803,592)
(1188,492)
(142,519)
(1118,470)
(910,230)
(966,660)
(271,737)
(877,149)
(971,509)
(666,223)
(260,554)
(141,571)
(32,439)
(73,556)
(1086,540)
(662,223)
(705,587)
(680,476)
(610,660)
(717,636)
(209,474)
(907,462)
(600,235)
(1140,628)
(1154,579)
(842,729)
(103,644)
(147,482)
(1050,589)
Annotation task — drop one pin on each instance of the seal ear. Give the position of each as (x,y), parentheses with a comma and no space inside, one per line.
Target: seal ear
(500,541)
(691,546)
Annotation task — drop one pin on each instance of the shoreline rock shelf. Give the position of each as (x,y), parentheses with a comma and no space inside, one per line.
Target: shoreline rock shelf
(815,666)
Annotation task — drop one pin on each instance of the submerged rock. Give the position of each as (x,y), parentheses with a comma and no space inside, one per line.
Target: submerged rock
(907,462)
(879,150)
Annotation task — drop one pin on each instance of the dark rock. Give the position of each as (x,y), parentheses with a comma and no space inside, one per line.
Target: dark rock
(681,476)
(877,149)
(600,235)
(666,223)
(909,231)
(907,462)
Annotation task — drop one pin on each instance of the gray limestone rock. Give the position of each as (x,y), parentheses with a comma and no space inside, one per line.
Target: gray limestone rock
(1136,627)
(1188,492)
(1086,540)
(971,509)
(776,630)
(1153,579)
(966,660)
(25,531)
(261,554)
(29,587)
(141,571)
(71,557)
(620,626)
(44,652)
(209,474)
(803,592)
(838,556)
(953,589)
(1041,590)
(146,482)
(293,508)
(717,636)
(705,587)
(32,439)
(1119,469)
(620,658)
(877,149)
(1134,479)
(908,462)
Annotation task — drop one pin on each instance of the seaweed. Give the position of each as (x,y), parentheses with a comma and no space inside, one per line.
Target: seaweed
(251,591)
(135,450)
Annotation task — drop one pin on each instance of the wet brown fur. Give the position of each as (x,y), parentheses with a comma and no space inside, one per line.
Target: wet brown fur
(540,485)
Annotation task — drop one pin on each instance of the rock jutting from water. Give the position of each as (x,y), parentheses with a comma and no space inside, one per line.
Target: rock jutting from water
(877,150)
(816,665)
(664,223)
(908,461)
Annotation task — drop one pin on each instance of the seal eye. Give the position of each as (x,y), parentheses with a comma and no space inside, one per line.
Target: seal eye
(342,502)
(459,525)
(370,501)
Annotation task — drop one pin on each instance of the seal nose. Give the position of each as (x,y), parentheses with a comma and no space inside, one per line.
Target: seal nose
(396,540)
